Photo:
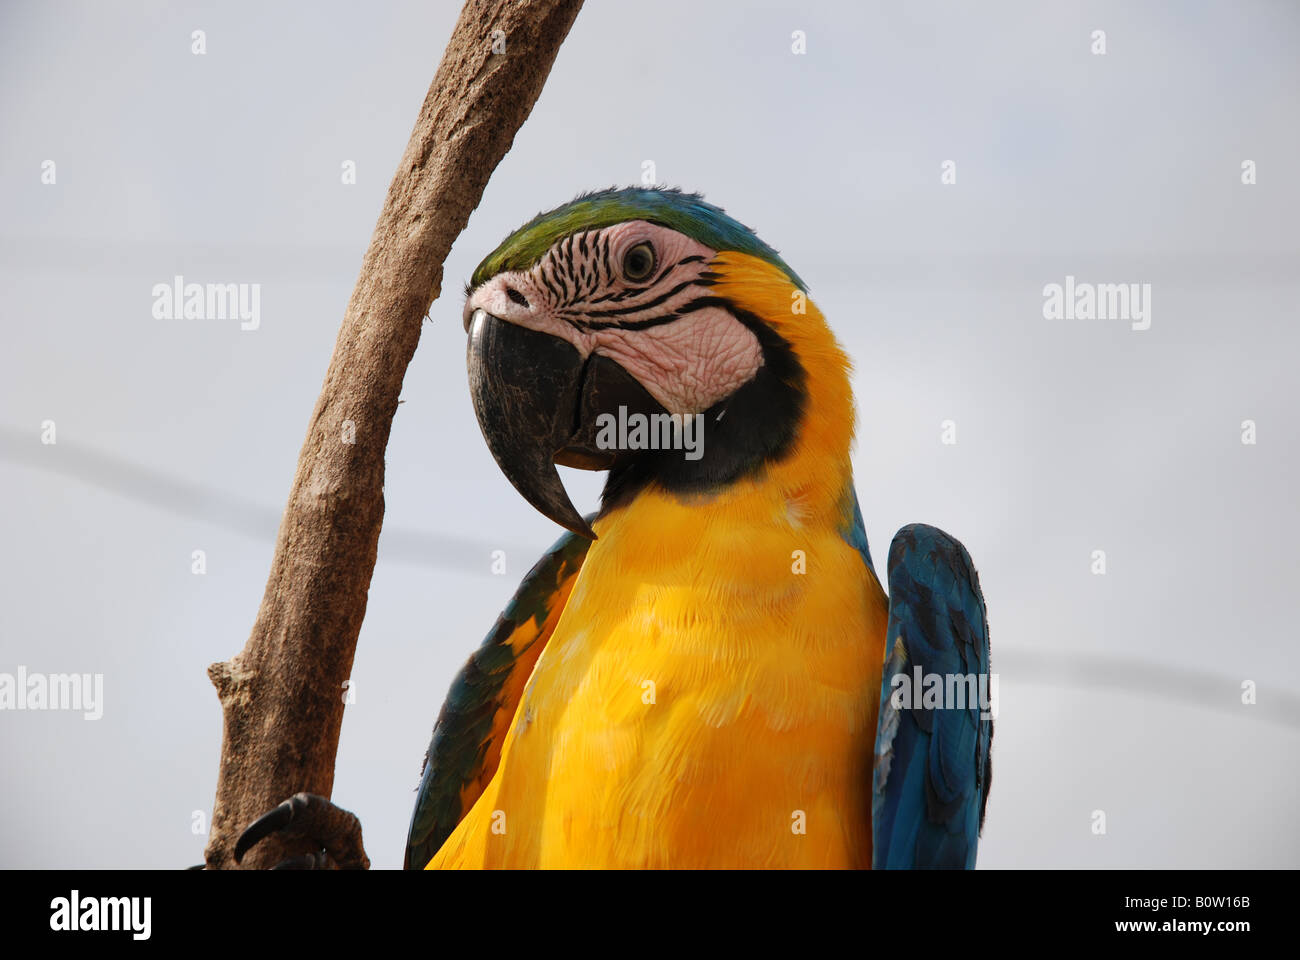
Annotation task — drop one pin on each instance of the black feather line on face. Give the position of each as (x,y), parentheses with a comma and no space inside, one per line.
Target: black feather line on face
(699,303)
(564,286)
(637,308)
(702,280)
(545,274)
(743,433)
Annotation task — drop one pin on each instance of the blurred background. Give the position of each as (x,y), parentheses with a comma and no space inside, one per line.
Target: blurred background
(1119,692)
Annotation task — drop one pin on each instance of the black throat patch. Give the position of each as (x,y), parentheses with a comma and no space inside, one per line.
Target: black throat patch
(741,434)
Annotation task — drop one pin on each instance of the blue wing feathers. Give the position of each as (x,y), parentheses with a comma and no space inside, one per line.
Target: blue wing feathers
(463,734)
(932,769)
(853,530)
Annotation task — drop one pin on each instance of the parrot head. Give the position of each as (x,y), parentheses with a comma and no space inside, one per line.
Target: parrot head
(634,303)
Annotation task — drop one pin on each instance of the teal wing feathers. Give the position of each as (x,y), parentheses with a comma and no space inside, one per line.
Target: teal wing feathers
(466,745)
(932,761)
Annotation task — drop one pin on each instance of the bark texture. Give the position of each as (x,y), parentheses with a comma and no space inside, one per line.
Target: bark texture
(282,695)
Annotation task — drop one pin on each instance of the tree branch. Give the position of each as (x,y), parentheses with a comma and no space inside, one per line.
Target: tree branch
(282,695)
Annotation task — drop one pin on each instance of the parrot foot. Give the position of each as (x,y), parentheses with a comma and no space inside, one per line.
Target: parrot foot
(336,832)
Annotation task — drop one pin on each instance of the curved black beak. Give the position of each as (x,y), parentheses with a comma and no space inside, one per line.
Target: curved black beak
(537,401)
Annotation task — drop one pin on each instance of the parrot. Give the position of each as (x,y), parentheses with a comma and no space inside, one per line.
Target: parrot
(705,672)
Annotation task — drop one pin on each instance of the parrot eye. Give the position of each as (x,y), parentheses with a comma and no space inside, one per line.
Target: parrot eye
(639,262)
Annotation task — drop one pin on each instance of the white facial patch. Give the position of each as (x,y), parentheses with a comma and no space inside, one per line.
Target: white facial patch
(690,364)
(688,355)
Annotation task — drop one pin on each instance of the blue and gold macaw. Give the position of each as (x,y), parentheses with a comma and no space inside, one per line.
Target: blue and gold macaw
(706,672)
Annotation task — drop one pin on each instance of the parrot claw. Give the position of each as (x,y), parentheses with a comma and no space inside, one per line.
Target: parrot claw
(320,860)
(306,815)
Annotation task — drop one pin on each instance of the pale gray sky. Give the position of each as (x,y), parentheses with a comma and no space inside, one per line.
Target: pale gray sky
(1073,435)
